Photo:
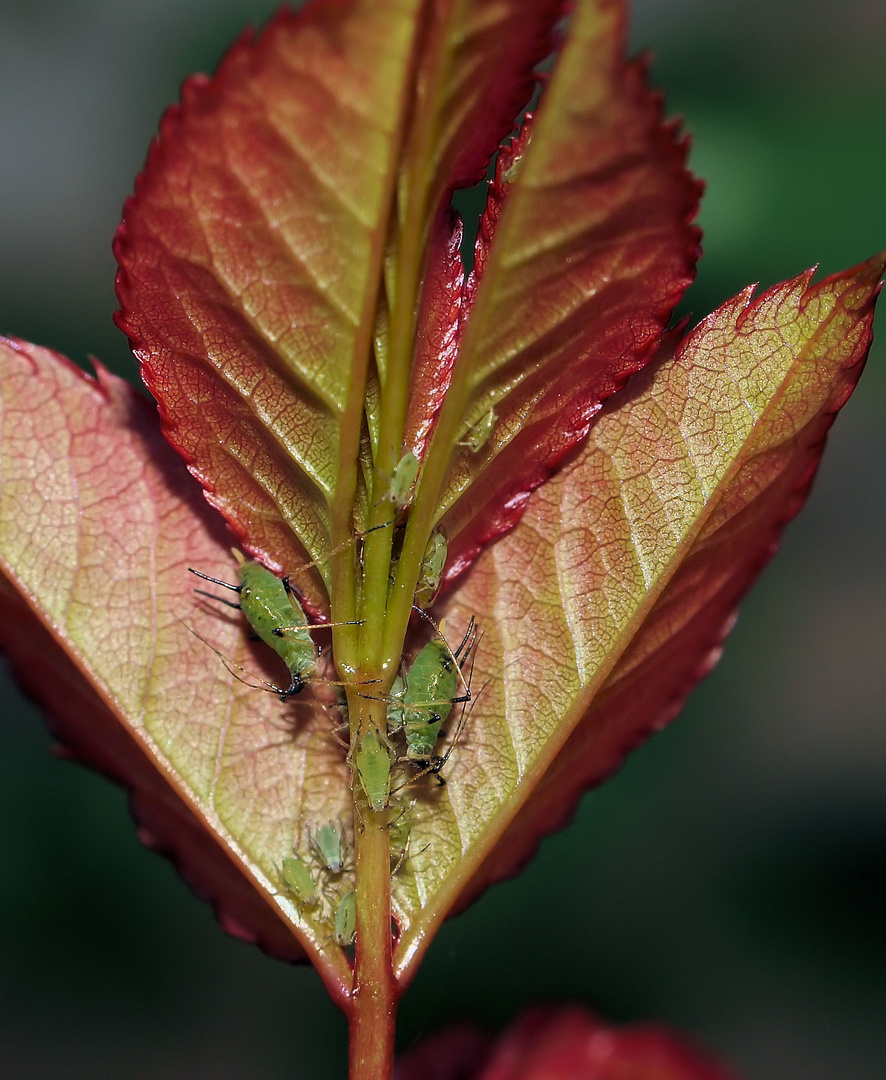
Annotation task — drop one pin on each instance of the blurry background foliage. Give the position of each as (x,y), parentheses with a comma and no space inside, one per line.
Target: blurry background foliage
(730,880)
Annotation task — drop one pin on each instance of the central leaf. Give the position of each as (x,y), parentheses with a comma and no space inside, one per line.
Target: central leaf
(250,258)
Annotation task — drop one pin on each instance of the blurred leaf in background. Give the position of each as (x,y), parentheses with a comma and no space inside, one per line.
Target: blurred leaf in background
(730,880)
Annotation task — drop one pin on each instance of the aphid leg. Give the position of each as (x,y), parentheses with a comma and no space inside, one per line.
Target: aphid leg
(345,744)
(438,761)
(399,835)
(282,631)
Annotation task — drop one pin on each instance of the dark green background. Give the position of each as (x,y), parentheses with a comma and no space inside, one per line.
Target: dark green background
(731,879)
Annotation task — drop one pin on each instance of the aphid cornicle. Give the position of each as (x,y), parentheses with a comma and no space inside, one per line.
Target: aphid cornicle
(272,610)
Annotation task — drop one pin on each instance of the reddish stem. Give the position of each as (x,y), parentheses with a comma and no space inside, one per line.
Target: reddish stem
(373,1006)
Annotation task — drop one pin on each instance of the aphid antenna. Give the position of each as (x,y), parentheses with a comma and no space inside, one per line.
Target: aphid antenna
(343,546)
(266,687)
(404,810)
(238,555)
(404,855)
(282,631)
(278,631)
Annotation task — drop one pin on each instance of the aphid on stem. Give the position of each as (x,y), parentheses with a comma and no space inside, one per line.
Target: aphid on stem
(478,435)
(403,480)
(345,925)
(372,762)
(421,701)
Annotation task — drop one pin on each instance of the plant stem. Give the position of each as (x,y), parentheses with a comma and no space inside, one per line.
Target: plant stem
(375,995)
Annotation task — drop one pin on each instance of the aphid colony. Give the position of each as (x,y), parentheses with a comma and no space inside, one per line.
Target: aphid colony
(419,703)
(320,881)
(328,852)
(420,700)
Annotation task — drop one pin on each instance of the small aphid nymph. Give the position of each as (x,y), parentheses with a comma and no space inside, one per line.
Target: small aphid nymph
(298,879)
(478,436)
(403,479)
(329,844)
(431,569)
(346,920)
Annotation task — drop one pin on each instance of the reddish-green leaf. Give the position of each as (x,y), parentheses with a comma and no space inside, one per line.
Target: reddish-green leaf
(99,523)
(275,267)
(475,74)
(584,251)
(250,257)
(612,596)
(252,281)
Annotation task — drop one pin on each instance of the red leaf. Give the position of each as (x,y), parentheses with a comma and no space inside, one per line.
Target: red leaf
(611,598)
(437,334)
(584,251)
(99,524)
(455,1053)
(477,74)
(562,1044)
(571,1045)
(250,256)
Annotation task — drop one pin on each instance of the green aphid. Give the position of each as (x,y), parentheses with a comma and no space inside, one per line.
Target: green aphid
(346,920)
(402,479)
(373,763)
(431,688)
(431,569)
(273,612)
(298,879)
(328,842)
(478,436)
